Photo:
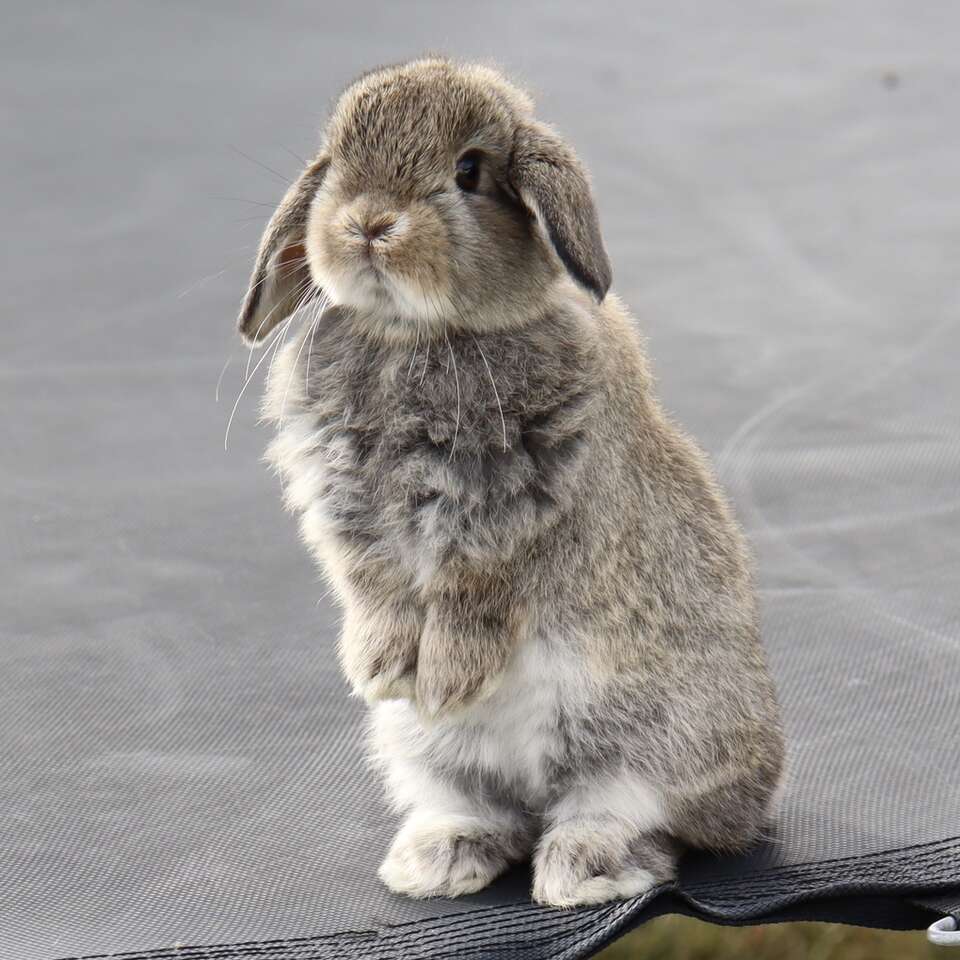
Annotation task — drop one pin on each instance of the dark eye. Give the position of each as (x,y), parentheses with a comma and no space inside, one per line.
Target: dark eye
(468,172)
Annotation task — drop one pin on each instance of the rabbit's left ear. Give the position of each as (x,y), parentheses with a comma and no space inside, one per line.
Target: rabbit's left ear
(553,185)
(281,278)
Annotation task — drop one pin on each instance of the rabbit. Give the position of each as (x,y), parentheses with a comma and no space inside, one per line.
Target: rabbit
(547,602)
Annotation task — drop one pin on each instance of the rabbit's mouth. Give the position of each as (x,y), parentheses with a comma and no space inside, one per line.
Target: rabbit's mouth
(372,274)
(366,286)
(388,300)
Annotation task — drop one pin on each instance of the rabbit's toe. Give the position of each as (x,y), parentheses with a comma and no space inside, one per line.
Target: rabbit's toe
(447,856)
(382,675)
(568,888)
(577,864)
(388,684)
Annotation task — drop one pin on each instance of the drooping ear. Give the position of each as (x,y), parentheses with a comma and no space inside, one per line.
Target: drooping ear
(553,185)
(281,278)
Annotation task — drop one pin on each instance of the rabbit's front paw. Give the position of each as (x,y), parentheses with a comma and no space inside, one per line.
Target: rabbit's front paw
(379,659)
(446,686)
(462,658)
(448,856)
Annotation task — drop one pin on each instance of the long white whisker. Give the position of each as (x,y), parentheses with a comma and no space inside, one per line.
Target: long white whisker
(219,273)
(269,376)
(285,270)
(279,347)
(223,370)
(306,287)
(296,360)
(456,377)
(300,290)
(246,382)
(313,333)
(199,283)
(426,362)
(292,267)
(413,359)
(503,422)
(293,367)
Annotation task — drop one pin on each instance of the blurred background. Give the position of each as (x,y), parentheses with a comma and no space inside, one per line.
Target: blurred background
(777,184)
(681,938)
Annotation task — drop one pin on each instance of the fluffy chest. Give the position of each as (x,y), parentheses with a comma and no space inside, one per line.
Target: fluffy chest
(417,454)
(369,434)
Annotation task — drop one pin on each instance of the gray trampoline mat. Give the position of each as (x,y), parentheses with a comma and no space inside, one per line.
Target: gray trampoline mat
(179,761)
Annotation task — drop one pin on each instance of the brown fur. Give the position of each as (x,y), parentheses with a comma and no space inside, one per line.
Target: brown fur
(544,589)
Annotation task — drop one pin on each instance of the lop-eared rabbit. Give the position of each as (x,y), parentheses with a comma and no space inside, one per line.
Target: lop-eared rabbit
(546,601)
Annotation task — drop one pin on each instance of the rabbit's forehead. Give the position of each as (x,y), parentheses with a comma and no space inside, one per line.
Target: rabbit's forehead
(418,121)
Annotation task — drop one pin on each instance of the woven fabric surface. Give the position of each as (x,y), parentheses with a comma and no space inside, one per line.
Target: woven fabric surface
(180,766)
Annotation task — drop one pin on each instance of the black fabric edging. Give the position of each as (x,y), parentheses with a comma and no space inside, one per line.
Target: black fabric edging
(924,877)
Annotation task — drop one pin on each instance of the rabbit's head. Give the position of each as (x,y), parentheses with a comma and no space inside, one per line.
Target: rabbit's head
(436,201)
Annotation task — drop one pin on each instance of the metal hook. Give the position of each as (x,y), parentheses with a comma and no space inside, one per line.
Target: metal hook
(944,933)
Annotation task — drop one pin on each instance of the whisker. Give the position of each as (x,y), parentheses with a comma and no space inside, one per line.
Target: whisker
(197,283)
(456,376)
(223,370)
(273,345)
(503,422)
(426,362)
(284,272)
(219,273)
(246,382)
(306,375)
(304,284)
(413,359)
(299,306)
(263,166)
(269,376)
(283,403)
(293,367)
(257,218)
(278,347)
(292,267)
(296,156)
(255,203)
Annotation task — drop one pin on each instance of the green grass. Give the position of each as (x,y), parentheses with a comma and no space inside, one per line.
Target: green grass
(680,938)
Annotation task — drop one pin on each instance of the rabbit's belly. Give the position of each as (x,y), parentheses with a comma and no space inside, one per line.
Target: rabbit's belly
(515,738)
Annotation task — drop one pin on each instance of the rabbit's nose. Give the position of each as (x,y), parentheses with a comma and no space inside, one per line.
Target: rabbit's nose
(375,228)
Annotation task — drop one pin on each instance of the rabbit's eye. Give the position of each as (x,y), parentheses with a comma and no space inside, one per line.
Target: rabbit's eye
(468,172)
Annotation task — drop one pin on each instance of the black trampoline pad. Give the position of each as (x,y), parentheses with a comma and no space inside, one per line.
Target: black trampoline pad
(179,761)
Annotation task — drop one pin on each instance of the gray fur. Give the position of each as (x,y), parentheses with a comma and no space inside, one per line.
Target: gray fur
(281,281)
(512,525)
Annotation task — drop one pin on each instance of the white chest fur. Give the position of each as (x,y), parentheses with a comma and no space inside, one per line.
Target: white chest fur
(513,738)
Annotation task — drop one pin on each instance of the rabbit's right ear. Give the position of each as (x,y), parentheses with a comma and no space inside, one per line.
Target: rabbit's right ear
(281,278)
